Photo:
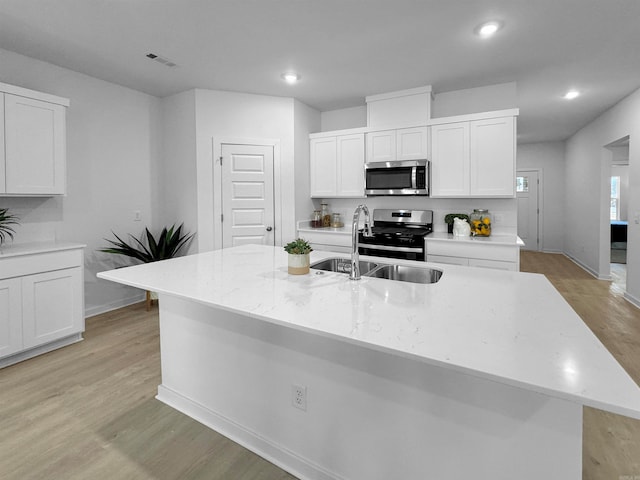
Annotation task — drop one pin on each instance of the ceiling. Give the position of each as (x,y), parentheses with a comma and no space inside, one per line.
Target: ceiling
(347,49)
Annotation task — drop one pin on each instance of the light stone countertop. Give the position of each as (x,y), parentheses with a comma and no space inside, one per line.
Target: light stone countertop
(18,249)
(510,327)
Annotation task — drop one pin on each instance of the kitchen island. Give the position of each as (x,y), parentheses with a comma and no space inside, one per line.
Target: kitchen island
(481,375)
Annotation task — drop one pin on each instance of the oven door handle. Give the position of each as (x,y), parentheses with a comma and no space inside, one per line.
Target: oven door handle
(390,249)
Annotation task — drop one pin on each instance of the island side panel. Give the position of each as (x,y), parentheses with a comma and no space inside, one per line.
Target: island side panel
(369,414)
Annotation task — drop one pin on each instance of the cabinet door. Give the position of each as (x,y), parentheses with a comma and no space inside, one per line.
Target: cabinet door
(10,316)
(381,146)
(52,306)
(2,148)
(450,160)
(323,168)
(34,146)
(412,143)
(493,158)
(351,165)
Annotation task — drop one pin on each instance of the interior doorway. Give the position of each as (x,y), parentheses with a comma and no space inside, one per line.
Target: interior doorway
(528,189)
(247,186)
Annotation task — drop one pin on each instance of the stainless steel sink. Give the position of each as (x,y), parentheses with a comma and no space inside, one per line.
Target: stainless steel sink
(342,265)
(402,273)
(405,273)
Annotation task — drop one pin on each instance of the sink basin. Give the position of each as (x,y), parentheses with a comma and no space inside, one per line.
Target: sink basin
(405,273)
(342,265)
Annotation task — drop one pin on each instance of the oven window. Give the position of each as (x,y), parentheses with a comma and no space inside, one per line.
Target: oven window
(389,178)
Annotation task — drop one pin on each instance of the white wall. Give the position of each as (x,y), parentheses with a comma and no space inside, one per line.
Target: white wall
(354,117)
(501,96)
(548,157)
(587,178)
(306,120)
(112,151)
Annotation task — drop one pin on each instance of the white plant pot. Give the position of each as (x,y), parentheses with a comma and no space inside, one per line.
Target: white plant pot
(298,264)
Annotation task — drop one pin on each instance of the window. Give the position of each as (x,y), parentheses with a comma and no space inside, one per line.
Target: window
(522,184)
(615,198)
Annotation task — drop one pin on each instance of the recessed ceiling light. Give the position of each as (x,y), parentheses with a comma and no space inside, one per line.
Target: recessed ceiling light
(291,77)
(571,94)
(488,29)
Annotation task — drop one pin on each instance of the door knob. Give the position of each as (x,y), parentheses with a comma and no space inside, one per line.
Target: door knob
(269,229)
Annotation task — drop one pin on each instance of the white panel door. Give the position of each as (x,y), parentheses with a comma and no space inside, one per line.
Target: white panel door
(10,316)
(350,165)
(450,160)
(527,185)
(247,195)
(323,158)
(50,306)
(381,146)
(493,160)
(412,143)
(34,146)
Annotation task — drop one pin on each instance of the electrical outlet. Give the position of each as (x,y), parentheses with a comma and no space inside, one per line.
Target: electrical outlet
(299,397)
(137,216)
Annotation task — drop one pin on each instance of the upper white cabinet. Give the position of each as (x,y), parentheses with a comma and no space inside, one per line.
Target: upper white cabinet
(474,158)
(398,144)
(32,143)
(337,165)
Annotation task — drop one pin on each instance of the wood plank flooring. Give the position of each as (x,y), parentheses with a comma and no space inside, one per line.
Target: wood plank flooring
(88,411)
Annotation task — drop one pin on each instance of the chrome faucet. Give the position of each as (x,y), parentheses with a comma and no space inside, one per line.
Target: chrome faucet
(355,256)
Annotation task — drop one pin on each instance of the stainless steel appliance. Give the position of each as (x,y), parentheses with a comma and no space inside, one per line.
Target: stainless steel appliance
(397,234)
(409,177)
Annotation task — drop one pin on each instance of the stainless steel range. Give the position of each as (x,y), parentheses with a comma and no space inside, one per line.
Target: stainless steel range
(397,234)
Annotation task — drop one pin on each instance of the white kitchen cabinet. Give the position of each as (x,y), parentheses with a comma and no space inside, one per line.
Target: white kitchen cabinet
(337,165)
(33,143)
(501,252)
(398,144)
(10,315)
(41,299)
(474,158)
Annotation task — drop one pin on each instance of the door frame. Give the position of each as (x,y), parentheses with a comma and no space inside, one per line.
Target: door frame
(216,178)
(540,187)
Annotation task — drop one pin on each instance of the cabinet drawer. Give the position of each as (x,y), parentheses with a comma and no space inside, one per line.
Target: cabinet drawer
(39,262)
(483,251)
(494,264)
(464,261)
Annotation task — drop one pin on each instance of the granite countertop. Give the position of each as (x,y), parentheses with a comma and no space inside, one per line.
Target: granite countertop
(17,249)
(510,327)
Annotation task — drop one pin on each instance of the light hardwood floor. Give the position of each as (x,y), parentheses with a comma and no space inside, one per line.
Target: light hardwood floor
(88,411)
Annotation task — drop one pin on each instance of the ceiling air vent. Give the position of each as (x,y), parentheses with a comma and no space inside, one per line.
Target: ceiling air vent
(161,60)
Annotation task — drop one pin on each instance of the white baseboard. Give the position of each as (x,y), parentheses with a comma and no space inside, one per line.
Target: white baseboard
(587,268)
(632,300)
(277,454)
(108,307)
(42,349)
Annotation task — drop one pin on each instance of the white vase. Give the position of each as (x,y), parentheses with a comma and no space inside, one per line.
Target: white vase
(298,264)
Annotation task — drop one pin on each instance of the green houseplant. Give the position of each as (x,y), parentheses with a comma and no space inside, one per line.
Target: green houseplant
(149,249)
(7,221)
(298,251)
(448,219)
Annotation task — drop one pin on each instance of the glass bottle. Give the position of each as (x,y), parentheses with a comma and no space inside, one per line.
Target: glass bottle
(480,221)
(316,219)
(326,216)
(336,221)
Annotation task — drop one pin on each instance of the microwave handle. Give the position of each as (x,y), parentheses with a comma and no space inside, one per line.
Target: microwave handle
(414,179)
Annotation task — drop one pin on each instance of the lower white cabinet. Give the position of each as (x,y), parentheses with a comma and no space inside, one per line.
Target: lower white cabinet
(474,253)
(41,302)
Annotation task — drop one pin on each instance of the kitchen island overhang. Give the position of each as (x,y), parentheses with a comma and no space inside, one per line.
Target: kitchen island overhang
(403,378)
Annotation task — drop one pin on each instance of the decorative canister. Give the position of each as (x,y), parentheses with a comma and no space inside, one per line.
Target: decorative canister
(326,216)
(316,219)
(336,221)
(480,221)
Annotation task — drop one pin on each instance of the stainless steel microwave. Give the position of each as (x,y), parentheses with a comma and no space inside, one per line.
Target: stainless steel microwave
(409,177)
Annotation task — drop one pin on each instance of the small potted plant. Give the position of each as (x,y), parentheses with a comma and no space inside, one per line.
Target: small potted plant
(6,222)
(298,251)
(448,219)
